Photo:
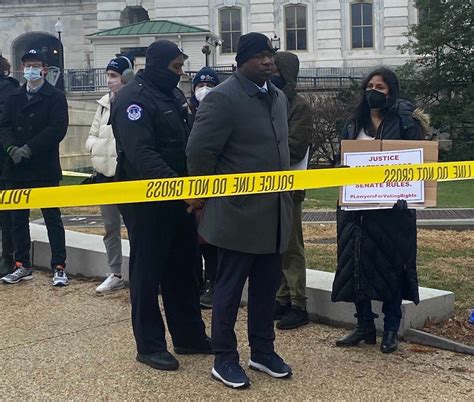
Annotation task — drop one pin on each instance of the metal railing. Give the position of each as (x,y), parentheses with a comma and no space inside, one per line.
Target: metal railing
(335,71)
(308,83)
(95,79)
(328,83)
(85,80)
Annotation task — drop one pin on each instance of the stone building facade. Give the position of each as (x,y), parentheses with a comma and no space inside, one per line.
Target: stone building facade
(324,33)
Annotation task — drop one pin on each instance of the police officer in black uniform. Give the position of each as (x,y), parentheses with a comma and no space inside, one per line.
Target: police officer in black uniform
(148,121)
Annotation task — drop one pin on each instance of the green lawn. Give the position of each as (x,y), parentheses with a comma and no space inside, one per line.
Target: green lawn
(451,194)
(71,180)
(445,259)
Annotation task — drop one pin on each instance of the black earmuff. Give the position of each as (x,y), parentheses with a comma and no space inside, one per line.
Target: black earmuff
(127,74)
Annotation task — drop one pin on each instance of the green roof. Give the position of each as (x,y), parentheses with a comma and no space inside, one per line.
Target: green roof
(157,27)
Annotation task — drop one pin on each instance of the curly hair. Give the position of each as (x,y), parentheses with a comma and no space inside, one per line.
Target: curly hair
(5,66)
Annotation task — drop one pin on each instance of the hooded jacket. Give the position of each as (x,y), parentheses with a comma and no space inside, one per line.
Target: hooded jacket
(300,122)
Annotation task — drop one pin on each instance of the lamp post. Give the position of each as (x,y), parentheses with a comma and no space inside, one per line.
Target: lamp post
(59,27)
(276,42)
(206,51)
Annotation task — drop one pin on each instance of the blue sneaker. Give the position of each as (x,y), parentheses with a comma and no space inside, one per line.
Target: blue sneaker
(231,374)
(271,364)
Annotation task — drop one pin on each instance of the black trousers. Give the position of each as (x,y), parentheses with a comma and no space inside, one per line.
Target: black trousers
(7,241)
(21,229)
(392,311)
(163,249)
(264,275)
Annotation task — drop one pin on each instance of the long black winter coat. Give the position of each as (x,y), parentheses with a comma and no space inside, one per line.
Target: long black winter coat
(7,86)
(376,250)
(41,123)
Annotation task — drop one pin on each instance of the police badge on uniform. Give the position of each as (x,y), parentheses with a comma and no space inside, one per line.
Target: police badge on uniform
(134,112)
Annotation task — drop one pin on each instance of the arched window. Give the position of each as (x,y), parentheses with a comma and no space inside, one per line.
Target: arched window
(296,27)
(132,15)
(230,22)
(362,25)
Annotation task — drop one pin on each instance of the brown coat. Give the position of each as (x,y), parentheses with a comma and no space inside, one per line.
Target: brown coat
(300,122)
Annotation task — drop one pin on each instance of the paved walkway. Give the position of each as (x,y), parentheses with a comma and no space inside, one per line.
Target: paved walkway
(70,344)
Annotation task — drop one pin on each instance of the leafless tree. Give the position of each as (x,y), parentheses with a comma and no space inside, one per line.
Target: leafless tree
(329,113)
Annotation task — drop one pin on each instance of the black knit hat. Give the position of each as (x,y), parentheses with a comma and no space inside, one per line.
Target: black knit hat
(160,53)
(251,44)
(34,54)
(206,74)
(120,64)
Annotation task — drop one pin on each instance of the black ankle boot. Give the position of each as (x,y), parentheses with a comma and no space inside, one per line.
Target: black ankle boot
(389,342)
(364,331)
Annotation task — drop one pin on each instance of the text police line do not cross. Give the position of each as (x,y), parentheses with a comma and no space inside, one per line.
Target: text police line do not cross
(228,185)
(220,186)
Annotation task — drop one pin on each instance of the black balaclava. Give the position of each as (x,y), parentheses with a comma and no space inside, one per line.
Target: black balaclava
(158,57)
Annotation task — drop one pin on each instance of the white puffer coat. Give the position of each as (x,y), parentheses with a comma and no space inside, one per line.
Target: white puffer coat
(101,141)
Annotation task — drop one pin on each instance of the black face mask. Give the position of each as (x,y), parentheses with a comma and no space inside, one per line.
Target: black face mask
(375,99)
(164,79)
(278,81)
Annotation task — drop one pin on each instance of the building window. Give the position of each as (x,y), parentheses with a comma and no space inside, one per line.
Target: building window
(231,28)
(362,25)
(295,24)
(132,15)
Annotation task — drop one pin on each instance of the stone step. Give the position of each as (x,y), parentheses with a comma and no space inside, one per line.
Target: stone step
(86,257)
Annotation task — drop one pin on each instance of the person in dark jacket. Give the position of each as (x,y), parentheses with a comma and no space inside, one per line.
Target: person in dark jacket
(34,122)
(7,86)
(241,127)
(290,308)
(376,249)
(203,82)
(150,128)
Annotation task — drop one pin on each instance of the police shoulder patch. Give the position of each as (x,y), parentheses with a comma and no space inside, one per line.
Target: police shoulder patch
(134,112)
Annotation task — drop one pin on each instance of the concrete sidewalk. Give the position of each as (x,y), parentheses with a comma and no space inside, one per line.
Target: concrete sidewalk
(70,344)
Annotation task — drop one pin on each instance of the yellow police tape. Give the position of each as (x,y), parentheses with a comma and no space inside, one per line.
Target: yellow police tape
(227,185)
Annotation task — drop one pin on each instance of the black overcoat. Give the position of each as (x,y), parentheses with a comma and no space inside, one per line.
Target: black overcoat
(41,123)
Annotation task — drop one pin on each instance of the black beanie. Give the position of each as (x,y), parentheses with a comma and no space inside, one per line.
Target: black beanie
(119,64)
(160,53)
(250,44)
(206,74)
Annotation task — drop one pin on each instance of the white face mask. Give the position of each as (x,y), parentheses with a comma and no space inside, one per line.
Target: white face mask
(32,73)
(201,93)
(114,84)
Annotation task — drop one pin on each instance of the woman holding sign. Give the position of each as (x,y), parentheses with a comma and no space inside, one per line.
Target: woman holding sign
(376,249)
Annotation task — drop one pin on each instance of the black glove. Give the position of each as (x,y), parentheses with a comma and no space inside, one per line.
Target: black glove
(400,205)
(18,154)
